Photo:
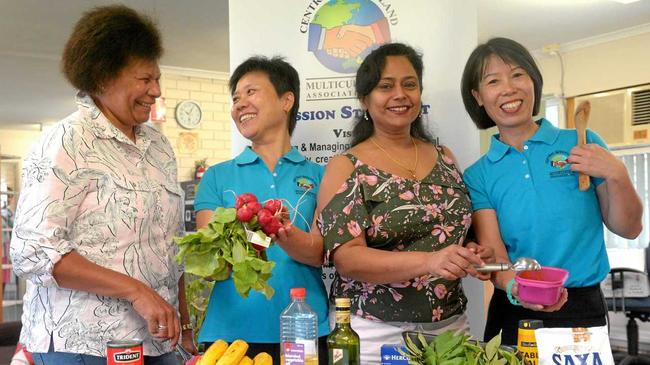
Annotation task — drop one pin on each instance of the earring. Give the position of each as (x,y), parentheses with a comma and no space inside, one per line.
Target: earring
(365,115)
(420,113)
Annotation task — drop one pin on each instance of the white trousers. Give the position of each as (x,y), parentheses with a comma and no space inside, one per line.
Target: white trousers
(374,334)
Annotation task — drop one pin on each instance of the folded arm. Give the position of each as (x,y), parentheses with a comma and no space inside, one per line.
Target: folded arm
(620,205)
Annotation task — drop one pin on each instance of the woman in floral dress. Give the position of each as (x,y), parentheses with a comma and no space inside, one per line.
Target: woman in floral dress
(396,213)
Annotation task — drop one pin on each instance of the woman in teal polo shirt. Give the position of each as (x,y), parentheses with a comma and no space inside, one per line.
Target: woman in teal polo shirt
(265,94)
(525,193)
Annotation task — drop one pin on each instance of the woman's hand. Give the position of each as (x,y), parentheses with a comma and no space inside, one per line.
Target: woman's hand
(486,254)
(187,341)
(454,262)
(538,307)
(162,319)
(285,233)
(304,247)
(593,160)
(75,272)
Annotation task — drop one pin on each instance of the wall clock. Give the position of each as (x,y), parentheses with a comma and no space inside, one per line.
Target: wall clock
(188,114)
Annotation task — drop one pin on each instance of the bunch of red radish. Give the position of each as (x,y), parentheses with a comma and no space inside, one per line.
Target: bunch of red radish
(268,216)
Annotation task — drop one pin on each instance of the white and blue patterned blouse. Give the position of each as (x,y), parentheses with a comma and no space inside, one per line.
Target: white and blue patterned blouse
(88,188)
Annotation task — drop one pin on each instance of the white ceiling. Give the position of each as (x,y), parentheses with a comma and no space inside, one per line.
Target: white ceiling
(195,34)
(536,23)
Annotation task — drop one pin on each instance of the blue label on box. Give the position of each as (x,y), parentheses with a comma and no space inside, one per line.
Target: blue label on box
(391,356)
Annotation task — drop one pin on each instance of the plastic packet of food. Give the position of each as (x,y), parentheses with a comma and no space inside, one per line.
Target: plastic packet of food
(574,346)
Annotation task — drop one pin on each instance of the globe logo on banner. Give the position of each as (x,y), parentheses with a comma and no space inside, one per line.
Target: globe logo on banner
(343,32)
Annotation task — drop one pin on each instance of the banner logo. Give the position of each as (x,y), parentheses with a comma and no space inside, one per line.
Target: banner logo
(342,33)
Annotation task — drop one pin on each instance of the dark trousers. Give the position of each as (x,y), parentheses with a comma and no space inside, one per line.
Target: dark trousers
(585,307)
(59,358)
(273,349)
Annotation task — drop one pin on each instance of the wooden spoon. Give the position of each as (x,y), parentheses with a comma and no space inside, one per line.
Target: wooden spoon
(580,120)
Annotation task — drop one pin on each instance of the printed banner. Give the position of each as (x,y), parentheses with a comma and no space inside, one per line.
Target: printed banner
(327,40)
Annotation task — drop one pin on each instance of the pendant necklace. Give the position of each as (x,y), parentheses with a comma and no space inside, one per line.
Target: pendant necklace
(410,170)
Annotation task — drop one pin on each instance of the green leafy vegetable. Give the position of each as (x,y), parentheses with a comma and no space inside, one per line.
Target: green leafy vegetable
(221,250)
(449,348)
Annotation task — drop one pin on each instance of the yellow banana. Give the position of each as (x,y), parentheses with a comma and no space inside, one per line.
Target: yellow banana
(214,353)
(263,359)
(234,353)
(246,361)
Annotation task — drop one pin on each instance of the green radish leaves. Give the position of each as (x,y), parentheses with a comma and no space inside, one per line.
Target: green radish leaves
(221,250)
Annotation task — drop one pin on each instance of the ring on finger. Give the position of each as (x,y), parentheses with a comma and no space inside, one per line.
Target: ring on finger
(162,327)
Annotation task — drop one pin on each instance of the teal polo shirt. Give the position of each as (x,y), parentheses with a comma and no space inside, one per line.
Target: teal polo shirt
(540,210)
(256,319)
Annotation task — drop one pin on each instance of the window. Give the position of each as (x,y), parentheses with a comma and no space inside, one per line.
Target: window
(552,109)
(637,161)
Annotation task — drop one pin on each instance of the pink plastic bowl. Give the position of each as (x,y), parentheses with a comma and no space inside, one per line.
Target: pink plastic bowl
(541,287)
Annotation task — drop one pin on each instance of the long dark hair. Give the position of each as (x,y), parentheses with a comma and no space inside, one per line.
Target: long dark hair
(368,76)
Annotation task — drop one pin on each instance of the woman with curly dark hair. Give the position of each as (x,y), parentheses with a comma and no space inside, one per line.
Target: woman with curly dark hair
(100,205)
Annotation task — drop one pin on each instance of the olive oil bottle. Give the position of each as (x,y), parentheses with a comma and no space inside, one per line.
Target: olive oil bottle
(343,342)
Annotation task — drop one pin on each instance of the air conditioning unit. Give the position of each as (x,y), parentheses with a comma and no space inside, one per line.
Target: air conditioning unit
(621,117)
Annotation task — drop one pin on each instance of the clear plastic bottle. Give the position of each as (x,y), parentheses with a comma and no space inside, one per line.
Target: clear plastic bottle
(299,331)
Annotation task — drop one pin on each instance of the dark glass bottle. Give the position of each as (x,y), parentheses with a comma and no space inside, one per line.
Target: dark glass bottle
(343,342)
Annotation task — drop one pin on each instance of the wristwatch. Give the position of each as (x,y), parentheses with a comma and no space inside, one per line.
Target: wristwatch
(187,326)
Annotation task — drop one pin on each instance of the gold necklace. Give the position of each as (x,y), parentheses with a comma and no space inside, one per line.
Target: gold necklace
(415,166)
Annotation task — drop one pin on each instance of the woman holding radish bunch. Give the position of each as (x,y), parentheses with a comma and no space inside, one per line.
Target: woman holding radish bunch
(265,94)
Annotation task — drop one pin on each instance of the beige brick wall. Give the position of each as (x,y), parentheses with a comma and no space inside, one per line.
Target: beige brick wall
(210,90)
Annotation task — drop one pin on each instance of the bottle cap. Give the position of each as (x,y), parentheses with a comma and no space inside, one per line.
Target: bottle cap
(342,302)
(298,292)
(531,323)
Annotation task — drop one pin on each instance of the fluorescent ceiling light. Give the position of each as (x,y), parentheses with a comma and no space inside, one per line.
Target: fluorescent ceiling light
(625,1)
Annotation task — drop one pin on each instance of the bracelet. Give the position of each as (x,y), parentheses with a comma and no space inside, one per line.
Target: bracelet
(187,326)
(511,298)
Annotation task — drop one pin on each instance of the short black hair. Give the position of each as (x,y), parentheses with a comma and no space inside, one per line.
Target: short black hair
(104,41)
(368,76)
(510,52)
(282,75)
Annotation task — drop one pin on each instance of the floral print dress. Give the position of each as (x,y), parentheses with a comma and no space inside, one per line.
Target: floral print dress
(399,214)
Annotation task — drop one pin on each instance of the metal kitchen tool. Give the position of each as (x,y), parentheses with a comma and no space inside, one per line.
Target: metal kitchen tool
(521,264)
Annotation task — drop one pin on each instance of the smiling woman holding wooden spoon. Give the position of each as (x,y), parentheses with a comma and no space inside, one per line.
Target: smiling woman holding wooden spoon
(526,197)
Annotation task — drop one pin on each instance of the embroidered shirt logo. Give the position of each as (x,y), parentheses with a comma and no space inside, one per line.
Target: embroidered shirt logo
(559,164)
(304,183)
